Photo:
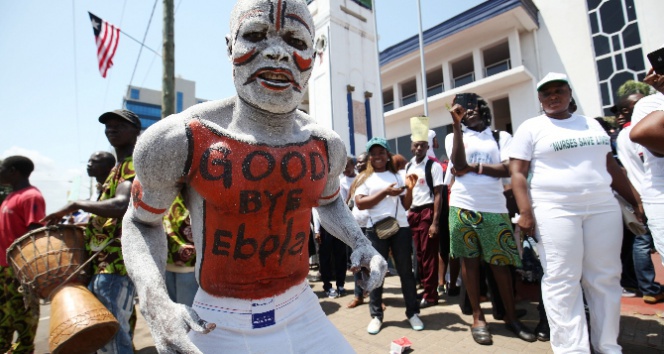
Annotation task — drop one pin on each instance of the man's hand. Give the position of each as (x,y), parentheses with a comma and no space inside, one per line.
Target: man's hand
(366,257)
(317,237)
(433,230)
(54,218)
(170,323)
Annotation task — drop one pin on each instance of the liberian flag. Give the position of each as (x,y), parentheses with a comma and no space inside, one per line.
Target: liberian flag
(107,37)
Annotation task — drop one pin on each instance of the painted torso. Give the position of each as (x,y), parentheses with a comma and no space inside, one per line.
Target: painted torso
(257,202)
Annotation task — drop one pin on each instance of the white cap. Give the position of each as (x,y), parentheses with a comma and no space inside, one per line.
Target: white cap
(551,77)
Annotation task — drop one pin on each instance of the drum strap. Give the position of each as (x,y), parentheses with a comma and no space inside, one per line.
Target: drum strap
(74,273)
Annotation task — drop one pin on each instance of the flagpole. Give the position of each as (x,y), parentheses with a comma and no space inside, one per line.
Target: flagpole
(424,74)
(139,42)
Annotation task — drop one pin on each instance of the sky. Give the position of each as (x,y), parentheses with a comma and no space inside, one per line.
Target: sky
(51,91)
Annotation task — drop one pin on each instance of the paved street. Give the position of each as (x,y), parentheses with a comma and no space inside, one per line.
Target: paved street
(446,328)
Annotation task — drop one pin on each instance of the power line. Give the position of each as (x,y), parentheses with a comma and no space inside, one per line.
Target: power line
(142,43)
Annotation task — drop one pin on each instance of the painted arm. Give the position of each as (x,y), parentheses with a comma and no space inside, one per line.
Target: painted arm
(337,219)
(159,159)
(519,171)
(649,132)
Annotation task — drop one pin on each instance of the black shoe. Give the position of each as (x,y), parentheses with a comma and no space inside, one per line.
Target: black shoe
(518,313)
(453,291)
(481,335)
(543,332)
(521,331)
(424,303)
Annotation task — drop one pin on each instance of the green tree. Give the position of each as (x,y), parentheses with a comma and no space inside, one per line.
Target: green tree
(631,86)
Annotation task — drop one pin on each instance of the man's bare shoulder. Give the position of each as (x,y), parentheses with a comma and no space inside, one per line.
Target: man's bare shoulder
(336,146)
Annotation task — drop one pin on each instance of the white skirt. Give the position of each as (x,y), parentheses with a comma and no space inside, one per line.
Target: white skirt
(292,322)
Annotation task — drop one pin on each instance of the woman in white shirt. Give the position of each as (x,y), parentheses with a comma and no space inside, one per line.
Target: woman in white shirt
(569,206)
(383,193)
(480,228)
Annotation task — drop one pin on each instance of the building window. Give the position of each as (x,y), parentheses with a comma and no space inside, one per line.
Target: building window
(408,92)
(135,94)
(463,72)
(496,59)
(388,100)
(435,81)
(148,113)
(178,101)
(617,44)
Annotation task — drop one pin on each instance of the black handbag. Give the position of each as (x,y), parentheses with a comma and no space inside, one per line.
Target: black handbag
(386,228)
(531,270)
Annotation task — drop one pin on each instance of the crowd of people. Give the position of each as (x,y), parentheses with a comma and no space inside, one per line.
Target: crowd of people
(207,217)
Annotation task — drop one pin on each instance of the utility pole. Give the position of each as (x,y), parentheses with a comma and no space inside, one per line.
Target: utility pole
(168,62)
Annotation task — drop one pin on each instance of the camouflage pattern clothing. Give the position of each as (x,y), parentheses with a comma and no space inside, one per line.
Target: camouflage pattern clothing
(177,225)
(101,229)
(14,317)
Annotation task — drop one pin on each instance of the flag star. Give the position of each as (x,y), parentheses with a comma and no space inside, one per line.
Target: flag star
(95,24)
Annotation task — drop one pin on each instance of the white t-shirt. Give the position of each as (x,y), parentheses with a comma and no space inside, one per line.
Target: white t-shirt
(388,206)
(473,191)
(344,186)
(567,159)
(629,154)
(422,195)
(652,190)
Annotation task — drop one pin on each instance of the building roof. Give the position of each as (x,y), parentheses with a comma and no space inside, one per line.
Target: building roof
(467,19)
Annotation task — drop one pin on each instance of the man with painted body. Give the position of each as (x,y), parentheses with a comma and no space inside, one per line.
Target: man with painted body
(251,166)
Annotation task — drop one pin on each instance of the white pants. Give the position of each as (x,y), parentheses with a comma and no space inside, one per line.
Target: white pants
(579,248)
(655,215)
(292,322)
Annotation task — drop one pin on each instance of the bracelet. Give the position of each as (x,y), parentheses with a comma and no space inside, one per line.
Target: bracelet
(479,170)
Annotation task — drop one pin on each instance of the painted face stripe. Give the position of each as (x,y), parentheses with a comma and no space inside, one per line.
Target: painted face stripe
(279,15)
(299,19)
(245,58)
(301,63)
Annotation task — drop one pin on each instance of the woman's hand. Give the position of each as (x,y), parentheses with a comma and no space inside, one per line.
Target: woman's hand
(393,191)
(411,181)
(458,112)
(527,224)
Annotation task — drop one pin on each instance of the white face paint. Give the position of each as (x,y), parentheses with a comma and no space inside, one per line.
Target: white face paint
(271,45)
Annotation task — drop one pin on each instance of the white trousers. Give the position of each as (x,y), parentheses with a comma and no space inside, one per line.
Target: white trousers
(655,215)
(579,247)
(292,322)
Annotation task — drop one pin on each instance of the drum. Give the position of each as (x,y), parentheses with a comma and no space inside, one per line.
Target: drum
(43,260)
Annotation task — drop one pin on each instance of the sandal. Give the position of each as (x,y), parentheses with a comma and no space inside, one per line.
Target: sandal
(481,335)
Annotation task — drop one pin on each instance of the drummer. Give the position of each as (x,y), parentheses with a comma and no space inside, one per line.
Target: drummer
(110,282)
(20,212)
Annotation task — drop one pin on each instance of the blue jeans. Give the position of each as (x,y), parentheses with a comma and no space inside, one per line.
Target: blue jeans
(645,271)
(117,293)
(401,245)
(181,287)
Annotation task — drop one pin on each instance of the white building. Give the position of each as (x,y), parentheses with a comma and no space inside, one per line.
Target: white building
(344,89)
(146,103)
(501,48)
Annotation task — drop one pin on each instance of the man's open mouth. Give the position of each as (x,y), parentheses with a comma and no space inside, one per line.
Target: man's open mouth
(274,79)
